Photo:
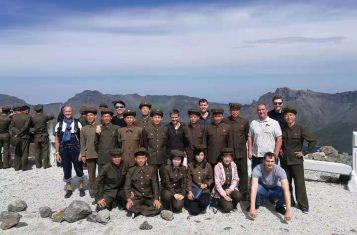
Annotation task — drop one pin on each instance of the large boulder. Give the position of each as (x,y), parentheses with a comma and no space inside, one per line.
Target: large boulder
(17,206)
(77,210)
(7,214)
(45,212)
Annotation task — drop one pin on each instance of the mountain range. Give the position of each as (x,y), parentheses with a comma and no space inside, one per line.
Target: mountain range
(331,117)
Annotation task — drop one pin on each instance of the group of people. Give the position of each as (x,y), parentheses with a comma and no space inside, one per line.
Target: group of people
(144,166)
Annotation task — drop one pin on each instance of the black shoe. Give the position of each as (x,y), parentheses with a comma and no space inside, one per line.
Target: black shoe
(82,193)
(281,210)
(129,214)
(68,194)
(304,210)
(293,203)
(248,208)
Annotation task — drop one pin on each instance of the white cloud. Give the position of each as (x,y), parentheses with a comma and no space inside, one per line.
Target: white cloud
(184,40)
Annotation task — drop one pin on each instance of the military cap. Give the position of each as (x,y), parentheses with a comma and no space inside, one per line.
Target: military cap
(141,151)
(6,109)
(17,107)
(177,153)
(289,110)
(25,107)
(38,107)
(227,151)
(235,105)
(217,111)
(90,110)
(106,111)
(82,110)
(115,152)
(144,103)
(119,101)
(156,112)
(103,105)
(194,111)
(200,147)
(129,112)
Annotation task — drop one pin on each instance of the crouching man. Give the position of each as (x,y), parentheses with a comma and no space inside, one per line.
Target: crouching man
(265,178)
(141,187)
(110,182)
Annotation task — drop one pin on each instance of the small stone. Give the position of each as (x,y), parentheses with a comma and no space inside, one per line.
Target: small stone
(10,222)
(58,216)
(103,216)
(145,226)
(93,218)
(353,230)
(17,206)
(227,228)
(45,212)
(167,215)
(7,214)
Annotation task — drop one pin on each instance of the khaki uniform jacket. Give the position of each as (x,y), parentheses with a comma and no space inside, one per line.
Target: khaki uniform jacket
(199,175)
(174,179)
(293,140)
(111,179)
(142,181)
(105,141)
(143,122)
(20,125)
(155,143)
(5,121)
(87,141)
(39,124)
(240,129)
(195,133)
(129,139)
(215,138)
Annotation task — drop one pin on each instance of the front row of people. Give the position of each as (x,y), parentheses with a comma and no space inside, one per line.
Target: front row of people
(137,188)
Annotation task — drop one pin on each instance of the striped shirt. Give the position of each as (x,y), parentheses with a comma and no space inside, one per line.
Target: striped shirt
(264,134)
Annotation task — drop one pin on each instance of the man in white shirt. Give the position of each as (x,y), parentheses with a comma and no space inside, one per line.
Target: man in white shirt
(264,136)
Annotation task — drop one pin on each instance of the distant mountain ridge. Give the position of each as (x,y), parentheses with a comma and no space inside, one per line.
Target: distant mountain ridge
(331,117)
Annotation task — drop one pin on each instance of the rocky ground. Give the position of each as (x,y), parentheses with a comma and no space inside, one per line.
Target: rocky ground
(333,210)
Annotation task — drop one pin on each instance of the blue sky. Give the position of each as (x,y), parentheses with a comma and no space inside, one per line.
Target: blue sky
(222,50)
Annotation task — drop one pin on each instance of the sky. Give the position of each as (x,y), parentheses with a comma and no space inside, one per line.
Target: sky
(221,50)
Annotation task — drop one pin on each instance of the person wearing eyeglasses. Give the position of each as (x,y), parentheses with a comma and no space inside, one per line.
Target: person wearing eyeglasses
(118,119)
(277,112)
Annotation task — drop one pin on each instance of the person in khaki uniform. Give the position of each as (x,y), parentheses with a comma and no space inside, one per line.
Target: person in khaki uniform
(88,151)
(240,129)
(20,130)
(41,140)
(145,120)
(292,160)
(106,138)
(199,177)
(195,132)
(155,141)
(141,187)
(5,121)
(130,137)
(173,182)
(217,135)
(110,182)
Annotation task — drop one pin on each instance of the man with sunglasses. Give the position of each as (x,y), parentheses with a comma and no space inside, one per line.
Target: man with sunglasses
(277,112)
(118,119)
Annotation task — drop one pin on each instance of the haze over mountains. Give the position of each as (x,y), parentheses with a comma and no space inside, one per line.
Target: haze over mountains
(331,117)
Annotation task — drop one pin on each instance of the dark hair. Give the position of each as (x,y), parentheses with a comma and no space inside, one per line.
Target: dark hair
(269,155)
(175,111)
(195,153)
(203,100)
(277,97)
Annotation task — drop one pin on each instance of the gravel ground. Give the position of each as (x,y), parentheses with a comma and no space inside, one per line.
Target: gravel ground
(332,210)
